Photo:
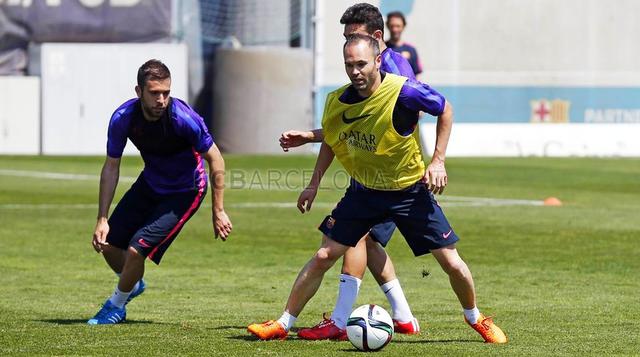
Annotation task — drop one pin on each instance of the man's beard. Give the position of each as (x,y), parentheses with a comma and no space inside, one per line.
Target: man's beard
(151,113)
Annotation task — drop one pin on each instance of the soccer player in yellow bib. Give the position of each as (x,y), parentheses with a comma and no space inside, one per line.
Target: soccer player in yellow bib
(368,127)
(364,19)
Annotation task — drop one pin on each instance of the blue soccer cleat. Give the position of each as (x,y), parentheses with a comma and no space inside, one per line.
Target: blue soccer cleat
(136,292)
(109,314)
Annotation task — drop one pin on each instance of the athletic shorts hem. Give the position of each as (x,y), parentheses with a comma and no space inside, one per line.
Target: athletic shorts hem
(420,251)
(140,251)
(326,227)
(383,232)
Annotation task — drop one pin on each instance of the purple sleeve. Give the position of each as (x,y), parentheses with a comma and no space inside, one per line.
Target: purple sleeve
(417,96)
(117,135)
(393,62)
(191,126)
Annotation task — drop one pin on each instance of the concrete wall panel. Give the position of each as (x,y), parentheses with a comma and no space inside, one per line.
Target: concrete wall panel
(83,84)
(258,94)
(19,115)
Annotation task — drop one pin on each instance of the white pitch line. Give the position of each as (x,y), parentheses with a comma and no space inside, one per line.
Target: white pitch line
(446,201)
(270,205)
(58,175)
(46,206)
(488,201)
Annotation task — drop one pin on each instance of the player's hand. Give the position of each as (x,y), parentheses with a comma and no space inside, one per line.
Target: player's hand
(435,176)
(221,225)
(294,138)
(306,199)
(100,235)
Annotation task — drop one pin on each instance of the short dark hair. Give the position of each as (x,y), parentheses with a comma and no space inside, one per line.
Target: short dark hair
(153,69)
(364,13)
(397,14)
(356,38)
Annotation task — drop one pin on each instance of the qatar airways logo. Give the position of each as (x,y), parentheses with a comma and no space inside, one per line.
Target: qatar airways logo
(359,140)
(86,3)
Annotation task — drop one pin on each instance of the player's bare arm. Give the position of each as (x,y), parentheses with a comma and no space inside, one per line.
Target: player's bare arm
(294,138)
(221,223)
(436,173)
(325,157)
(108,183)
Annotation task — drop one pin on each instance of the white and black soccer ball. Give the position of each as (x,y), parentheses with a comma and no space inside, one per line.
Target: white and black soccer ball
(370,328)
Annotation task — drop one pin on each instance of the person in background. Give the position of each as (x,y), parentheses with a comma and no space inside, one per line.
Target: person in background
(396,23)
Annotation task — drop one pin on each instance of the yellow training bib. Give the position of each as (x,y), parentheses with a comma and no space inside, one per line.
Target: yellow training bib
(365,142)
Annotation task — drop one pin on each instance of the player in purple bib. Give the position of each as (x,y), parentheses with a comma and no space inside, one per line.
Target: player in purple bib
(174,143)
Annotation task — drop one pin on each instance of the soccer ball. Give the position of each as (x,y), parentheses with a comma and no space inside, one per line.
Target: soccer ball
(370,328)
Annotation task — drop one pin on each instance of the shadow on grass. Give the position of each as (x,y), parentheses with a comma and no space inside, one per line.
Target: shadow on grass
(250,337)
(84,321)
(438,341)
(243,338)
(355,350)
(228,327)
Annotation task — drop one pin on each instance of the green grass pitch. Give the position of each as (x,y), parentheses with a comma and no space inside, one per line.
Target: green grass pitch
(559,280)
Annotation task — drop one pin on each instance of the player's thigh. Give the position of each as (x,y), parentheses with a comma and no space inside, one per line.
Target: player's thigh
(130,214)
(422,222)
(352,218)
(332,249)
(382,232)
(165,223)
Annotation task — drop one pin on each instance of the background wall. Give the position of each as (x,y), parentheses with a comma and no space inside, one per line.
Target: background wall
(258,93)
(510,61)
(78,99)
(19,115)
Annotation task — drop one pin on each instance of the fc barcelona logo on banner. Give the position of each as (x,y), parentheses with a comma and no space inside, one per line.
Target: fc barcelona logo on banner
(550,111)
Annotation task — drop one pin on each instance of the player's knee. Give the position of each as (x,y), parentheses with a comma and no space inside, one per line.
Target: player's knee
(132,253)
(456,269)
(110,249)
(323,259)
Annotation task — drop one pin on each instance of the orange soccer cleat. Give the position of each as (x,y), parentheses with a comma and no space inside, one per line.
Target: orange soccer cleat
(408,328)
(325,330)
(268,330)
(488,330)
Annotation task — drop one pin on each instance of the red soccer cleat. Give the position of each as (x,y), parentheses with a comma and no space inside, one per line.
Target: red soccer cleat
(325,330)
(408,328)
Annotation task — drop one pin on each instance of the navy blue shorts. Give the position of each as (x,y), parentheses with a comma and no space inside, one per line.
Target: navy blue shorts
(414,210)
(382,232)
(148,221)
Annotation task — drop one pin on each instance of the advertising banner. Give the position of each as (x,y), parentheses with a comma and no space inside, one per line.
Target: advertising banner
(24,21)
